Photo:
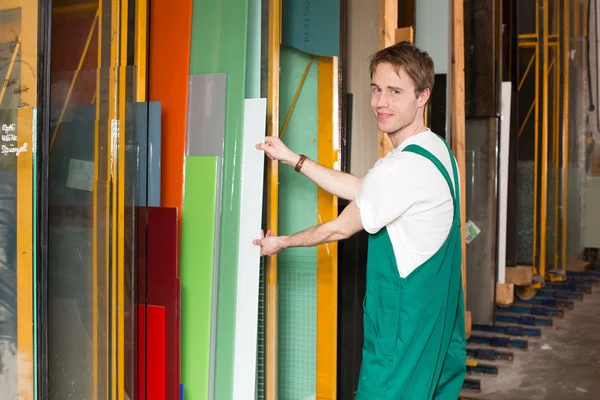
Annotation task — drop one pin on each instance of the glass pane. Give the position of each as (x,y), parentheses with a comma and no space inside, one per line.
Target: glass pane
(93,199)
(18,99)
(525,213)
(481,203)
(572,184)
(16,254)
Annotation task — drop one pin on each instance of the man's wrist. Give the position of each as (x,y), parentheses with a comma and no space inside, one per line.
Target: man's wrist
(293,160)
(284,242)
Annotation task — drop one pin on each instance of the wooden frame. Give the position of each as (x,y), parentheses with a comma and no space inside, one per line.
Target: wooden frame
(327,254)
(457,104)
(271,332)
(388,27)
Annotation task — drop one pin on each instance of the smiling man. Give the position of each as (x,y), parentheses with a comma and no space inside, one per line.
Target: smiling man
(414,336)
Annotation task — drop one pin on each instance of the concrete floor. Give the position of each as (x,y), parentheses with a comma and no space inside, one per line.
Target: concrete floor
(564,364)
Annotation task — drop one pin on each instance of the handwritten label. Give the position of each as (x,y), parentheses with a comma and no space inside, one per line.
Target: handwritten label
(9,136)
(4,149)
(81,175)
(10,82)
(20,89)
(13,44)
(9,128)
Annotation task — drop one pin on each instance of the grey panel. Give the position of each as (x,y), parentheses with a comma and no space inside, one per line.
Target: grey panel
(141,144)
(206,115)
(591,213)
(148,138)
(206,137)
(481,199)
(154,150)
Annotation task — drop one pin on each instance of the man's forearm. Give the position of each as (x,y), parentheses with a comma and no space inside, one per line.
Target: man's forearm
(314,236)
(338,183)
(347,224)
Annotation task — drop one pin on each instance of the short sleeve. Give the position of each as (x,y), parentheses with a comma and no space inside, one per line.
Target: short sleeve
(388,191)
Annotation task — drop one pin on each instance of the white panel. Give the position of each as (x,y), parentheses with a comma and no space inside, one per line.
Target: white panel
(503,178)
(246,324)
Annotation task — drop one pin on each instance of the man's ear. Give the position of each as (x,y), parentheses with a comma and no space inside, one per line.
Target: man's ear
(424,97)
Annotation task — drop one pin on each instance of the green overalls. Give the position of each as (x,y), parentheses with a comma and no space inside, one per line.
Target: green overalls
(414,329)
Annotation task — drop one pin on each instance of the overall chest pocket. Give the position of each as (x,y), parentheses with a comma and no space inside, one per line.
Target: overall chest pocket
(382,311)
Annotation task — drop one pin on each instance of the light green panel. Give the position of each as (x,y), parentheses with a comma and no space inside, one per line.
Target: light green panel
(253,54)
(297,211)
(197,262)
(297,194)
(219,40)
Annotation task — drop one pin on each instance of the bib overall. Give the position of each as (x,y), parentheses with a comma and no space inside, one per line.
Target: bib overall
(414,328)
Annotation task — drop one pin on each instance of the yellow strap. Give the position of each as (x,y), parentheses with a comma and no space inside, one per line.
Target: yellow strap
(287,118)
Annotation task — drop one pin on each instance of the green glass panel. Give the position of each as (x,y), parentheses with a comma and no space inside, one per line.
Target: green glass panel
(297,211)
(219,42)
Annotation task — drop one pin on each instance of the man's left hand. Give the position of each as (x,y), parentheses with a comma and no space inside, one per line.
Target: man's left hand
(269,244)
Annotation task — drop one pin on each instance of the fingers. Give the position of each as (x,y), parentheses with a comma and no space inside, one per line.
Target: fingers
(259,242)
(264,147)
(269,141)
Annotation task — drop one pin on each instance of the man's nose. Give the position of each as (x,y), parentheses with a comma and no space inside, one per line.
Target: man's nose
(382,101)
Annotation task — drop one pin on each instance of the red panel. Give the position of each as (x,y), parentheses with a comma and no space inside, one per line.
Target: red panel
(140,317)
(156,353)
(140,370)
(163,284)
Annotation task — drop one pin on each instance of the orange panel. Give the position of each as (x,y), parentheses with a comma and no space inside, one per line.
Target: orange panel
(170,35)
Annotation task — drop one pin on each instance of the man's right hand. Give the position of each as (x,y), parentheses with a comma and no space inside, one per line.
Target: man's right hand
(338,183)
(275,149)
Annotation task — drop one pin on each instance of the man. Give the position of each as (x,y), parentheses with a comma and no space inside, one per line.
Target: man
(414,335)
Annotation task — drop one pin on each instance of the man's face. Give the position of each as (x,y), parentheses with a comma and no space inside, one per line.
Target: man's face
(393,98)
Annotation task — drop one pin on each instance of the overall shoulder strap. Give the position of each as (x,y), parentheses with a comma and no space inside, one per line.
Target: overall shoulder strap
(454,167)
(413,148)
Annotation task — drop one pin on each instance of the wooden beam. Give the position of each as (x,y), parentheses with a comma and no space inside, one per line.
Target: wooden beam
(327,254)
(388,24)
(10,5)
(404,34)
(27,56)
(468,324)
(505,294)
(458,123)
(141,49)
(271,317)
(519,275)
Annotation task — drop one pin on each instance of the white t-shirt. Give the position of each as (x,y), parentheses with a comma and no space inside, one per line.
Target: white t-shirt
(406,193)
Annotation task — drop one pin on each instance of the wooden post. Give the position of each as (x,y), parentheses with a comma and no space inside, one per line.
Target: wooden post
(271,343)
(388,25)
(458,126)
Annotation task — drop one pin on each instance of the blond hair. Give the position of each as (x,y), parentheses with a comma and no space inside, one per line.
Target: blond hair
(417,64)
